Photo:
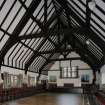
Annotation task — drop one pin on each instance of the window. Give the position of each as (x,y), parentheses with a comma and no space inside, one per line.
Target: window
(68,72)
(52,78)
(85,78)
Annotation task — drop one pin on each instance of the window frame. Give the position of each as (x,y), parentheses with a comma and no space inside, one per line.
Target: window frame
(68,74)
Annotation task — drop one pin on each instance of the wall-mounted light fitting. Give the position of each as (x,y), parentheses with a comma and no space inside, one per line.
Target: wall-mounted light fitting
(87,42)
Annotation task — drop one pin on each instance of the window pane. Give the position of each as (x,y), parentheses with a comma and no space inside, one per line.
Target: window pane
(11,15)
(74,74)
(5,9)
(17,20)
(65,72)
(73,68)
(3,41)
(69,72)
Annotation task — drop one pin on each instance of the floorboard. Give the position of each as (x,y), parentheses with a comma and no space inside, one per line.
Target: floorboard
(50,99)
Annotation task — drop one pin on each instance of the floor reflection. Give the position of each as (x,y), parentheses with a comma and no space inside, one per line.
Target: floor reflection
(48,99)
(69,99)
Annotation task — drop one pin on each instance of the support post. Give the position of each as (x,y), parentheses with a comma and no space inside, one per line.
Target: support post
(94,78)
(60,69)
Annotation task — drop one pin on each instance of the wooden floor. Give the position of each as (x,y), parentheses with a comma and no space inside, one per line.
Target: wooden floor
(49,99)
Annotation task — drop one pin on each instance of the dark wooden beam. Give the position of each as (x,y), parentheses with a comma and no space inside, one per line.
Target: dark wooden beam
(13,38)
(28,63)
(3,3)
(57,14)
(31,36)
(34,51)
(45,22)
(54,16)
(17,68)
(65,59)
(39,23)
(78,69)
(90,34)
(64,5)
(57,51)
(45,12)
(88,14)
(48,59)
(41,69)
(31,59)
(79,30)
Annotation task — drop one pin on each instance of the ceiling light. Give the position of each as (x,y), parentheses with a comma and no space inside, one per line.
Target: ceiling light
(87,42)
(92,5)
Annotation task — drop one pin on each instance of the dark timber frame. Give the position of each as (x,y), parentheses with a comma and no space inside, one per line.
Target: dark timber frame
(43,34)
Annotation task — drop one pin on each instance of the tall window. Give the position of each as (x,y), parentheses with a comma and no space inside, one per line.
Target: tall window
(68,72)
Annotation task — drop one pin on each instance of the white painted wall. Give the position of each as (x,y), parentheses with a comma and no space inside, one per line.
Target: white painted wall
(17,72)
(11,70)
(79,63)
(75,81)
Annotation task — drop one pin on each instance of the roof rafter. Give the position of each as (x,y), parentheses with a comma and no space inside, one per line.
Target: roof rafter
(56,51)
(13,39)
(65,59)
(46,25)
(36,20)
(35,55)
(48,59)
(78,30)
